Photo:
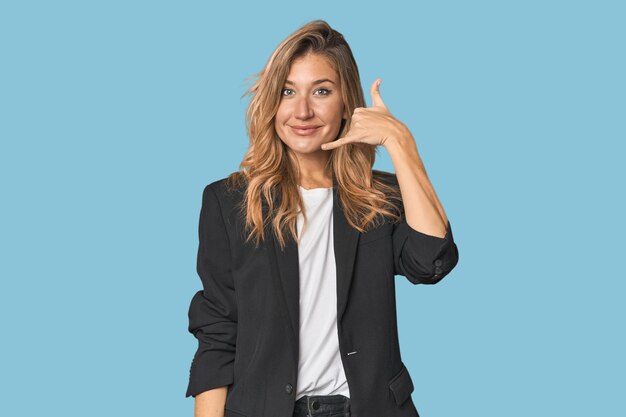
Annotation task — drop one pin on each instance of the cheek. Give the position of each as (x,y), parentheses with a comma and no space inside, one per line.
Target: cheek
(283,113)
(279,119)
(333,110)
(332,114)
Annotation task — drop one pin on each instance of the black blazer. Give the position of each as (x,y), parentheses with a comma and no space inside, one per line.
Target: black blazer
(246,317)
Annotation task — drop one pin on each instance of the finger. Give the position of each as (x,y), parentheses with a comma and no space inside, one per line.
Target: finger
(330,145)
(354,138)
(337,143)
(377,100)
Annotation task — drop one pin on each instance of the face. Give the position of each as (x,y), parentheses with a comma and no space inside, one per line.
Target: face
(311,108)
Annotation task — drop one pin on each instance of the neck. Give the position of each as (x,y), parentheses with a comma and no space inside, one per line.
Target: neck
(312,171)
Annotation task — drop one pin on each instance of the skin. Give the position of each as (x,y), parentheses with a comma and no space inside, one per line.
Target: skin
(211,403)
(305,102)
(377,126)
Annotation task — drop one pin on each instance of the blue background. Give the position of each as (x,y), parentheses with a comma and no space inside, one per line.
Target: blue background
(115,115)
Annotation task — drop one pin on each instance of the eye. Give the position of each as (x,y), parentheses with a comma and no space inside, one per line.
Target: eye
(327,91)
(286,89)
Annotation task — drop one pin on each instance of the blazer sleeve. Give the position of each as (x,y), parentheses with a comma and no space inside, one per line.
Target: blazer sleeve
(213,310)
(422,258)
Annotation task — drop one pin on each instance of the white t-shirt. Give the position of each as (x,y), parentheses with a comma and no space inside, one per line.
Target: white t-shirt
(320,370)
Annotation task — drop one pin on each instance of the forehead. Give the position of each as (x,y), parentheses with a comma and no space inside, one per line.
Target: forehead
(309,69)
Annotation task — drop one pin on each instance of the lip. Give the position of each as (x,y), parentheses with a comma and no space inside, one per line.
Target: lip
(304,131)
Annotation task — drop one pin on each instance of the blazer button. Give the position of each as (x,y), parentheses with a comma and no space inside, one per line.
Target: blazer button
(288,388)
(438,262)
(438,270)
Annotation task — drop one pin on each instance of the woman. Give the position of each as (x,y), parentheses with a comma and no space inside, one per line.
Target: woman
(298,251)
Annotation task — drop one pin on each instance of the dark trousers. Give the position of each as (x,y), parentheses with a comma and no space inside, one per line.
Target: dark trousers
(322,405)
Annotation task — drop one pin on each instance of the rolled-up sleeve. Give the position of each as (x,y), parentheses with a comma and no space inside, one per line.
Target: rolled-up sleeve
(213,310)
(422,258)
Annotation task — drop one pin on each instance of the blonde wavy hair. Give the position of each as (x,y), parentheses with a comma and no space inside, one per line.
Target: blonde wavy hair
(269,167)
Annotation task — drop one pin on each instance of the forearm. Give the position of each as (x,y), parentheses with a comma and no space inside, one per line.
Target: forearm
(211,403)
(423,210)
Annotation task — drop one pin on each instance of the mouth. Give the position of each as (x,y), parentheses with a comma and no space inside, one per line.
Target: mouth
(305,131)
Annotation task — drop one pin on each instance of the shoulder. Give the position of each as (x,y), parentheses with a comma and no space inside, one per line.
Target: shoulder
(227,190)
(386,177)
(230,189)
(391,189)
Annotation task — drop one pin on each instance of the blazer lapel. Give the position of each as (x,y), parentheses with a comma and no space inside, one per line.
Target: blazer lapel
(345,239)
(285,265)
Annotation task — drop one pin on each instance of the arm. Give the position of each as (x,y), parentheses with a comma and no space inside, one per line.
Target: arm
(212,313)
(424,247)
(211,403)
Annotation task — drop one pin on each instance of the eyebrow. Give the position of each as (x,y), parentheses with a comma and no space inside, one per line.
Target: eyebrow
(314,82)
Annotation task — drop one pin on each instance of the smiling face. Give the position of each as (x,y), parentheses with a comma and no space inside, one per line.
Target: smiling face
(311,108)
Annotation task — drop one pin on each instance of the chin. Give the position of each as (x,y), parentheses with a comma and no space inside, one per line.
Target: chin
(307,149)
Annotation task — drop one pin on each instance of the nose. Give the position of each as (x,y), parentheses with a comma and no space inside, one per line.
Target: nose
(303,109)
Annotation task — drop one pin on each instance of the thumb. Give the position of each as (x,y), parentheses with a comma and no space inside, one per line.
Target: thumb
(377,100)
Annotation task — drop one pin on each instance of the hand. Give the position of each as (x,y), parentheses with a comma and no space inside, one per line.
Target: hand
(374,125)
